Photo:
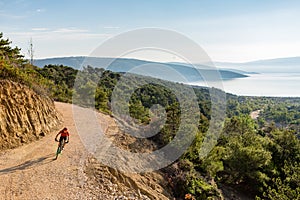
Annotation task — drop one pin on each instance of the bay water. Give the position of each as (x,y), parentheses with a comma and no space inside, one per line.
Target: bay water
(263,84)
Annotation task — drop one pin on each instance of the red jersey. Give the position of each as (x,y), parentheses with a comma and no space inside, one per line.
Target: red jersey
(64,133)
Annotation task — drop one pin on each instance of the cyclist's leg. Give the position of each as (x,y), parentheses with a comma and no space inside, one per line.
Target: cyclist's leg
(65,139)
(60,140)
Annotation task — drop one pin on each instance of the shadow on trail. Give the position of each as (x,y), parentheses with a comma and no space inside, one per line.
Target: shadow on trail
(28,164)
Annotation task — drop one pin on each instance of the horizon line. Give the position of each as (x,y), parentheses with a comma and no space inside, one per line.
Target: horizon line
(218,61)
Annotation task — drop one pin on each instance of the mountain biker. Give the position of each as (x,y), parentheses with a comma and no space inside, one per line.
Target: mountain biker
(64,135)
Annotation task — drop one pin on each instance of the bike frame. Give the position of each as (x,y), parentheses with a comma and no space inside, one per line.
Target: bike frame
(59,148)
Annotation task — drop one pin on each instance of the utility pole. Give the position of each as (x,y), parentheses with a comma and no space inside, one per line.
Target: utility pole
(31,51)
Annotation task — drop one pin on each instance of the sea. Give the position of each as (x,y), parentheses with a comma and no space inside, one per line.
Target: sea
(263,84)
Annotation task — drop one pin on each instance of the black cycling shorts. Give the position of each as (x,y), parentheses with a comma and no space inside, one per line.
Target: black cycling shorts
(62,138)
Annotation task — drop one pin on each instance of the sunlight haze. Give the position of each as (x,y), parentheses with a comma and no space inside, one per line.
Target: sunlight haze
(231,31)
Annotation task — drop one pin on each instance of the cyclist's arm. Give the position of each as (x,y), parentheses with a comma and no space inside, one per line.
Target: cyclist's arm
(57,135)
(68,137)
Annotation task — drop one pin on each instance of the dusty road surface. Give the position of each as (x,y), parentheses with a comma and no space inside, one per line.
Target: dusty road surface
(255,114)
(30,171)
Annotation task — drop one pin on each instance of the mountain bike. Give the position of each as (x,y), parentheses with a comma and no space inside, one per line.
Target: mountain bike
(59,148)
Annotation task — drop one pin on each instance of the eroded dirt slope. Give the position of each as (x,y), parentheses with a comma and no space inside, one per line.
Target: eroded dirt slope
(25,116)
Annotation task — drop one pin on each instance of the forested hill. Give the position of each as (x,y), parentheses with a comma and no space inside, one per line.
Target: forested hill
(257,157)
(155,69)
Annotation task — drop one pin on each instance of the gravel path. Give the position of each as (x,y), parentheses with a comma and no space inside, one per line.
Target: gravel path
(255,114)
(30,171)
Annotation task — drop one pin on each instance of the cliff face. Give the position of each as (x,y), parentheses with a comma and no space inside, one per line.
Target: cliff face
(25,116)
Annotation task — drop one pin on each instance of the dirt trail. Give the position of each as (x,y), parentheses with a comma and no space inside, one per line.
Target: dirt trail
(30,171)
(255,114)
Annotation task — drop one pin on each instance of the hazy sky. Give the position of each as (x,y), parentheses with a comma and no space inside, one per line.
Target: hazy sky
(227,30)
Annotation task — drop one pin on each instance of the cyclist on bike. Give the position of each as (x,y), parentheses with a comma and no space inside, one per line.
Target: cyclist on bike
(64,135)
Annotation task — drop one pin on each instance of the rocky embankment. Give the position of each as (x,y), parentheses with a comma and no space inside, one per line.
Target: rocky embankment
(25,115)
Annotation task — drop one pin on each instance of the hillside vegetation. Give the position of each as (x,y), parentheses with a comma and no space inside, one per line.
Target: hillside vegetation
(260,158)
(26,113)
